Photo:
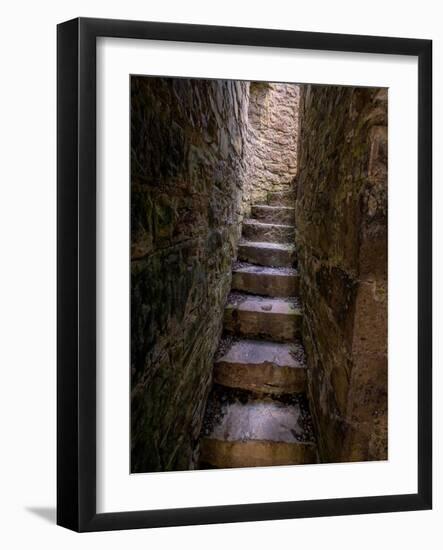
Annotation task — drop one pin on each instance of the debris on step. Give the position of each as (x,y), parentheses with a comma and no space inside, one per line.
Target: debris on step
(242,431)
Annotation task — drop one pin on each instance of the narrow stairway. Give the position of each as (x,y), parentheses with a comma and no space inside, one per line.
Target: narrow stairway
(257,413)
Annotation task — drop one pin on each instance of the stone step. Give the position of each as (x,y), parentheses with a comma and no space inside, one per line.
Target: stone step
(254,230)
(267,281)
(262,367)
(257,433)
(276,319)
(267,254)
(281,198)
(273,214)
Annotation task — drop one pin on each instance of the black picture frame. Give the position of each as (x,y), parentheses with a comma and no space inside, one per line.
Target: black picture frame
(76,279)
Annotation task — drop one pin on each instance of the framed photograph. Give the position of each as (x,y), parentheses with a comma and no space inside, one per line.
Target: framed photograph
(244,274)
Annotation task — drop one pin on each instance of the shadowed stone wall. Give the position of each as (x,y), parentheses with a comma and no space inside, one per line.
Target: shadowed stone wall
(272,139)
(187,174)
(341,218)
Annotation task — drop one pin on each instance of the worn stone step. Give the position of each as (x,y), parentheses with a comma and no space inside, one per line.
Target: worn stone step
(262,366)
(281,198)
(267,281)
(276,319)
(257,433)
(267,254)
(254,230)
(273,214)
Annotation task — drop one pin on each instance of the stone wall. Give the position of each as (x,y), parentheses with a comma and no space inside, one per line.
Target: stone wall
(187,175)
(271,151)
(341,217)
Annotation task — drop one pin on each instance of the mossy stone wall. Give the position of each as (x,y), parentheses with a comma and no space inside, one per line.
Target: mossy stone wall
(187,174)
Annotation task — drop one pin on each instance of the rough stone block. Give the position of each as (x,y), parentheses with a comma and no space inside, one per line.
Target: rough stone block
(267,254)
(273,214)
(248,454)
(266,232)
(258,433)
(281,198)
(265,281)
(270,318)
(265,367)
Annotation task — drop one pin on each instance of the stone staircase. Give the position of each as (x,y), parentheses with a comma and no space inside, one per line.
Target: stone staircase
(257,413)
